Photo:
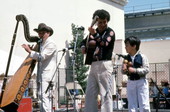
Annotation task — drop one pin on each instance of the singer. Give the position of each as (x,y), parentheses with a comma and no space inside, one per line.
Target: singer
(48,62)
(100,77)
(137,86)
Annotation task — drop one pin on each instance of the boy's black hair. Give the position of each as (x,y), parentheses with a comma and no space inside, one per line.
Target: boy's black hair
(133,41)
(102,14)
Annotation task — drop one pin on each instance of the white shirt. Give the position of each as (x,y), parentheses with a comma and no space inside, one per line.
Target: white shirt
(48,63)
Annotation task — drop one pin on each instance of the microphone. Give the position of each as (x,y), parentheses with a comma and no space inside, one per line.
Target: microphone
(80,28)
(40,40)
(66,49)
(33,39)
(121,55)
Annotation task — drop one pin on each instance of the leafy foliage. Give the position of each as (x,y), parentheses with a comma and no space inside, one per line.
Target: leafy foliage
(79,67)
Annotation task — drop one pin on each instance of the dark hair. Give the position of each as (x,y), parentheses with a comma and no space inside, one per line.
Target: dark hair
(133,41)
(102,14)
(166,84)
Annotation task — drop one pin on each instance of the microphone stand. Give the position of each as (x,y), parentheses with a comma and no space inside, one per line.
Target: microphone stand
(74,75)
(50,85)
(39,77)
(118,95)
(115,72)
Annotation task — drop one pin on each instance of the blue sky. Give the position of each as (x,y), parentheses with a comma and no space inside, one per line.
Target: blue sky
(143,2)
(146,4)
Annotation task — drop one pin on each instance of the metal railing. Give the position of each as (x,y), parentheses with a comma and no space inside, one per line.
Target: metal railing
(147,7)
(159,72)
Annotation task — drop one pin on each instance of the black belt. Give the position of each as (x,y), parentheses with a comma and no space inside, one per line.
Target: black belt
(134,78)
(101,60)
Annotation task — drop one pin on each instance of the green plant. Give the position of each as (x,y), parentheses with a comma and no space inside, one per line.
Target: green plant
(80,68)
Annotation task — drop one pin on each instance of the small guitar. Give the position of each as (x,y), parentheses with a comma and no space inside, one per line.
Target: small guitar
(90,51)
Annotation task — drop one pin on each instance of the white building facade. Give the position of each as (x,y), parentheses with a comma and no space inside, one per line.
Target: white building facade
(57,14)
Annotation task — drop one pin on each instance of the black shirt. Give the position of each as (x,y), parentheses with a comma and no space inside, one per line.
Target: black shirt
(106,53)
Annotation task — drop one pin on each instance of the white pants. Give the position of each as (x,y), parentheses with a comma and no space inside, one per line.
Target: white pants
(99,82)
(45,98)
(138,94)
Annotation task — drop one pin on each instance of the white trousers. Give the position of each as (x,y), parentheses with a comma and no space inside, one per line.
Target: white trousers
(99,83)
(138,94)
(45,98)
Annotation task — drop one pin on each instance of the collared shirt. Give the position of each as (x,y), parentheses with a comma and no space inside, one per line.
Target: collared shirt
(48,62)
(106,53)
(144,68)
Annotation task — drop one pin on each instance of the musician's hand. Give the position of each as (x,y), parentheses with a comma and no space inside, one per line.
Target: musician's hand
(31,47)
(83,50)
(27,48)
(130,64)
(105,43)
(124,67)
(92,30)
(91,36)
(131,70)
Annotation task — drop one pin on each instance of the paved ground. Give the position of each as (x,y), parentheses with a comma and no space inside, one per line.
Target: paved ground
(124,110)
(81,110)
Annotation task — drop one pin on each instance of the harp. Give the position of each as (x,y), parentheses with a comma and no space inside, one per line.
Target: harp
(13,91)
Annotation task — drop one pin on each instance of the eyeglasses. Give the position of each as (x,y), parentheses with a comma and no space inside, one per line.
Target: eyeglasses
(41,32)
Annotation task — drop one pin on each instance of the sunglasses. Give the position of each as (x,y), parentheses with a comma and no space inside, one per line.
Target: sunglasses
(41,32)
